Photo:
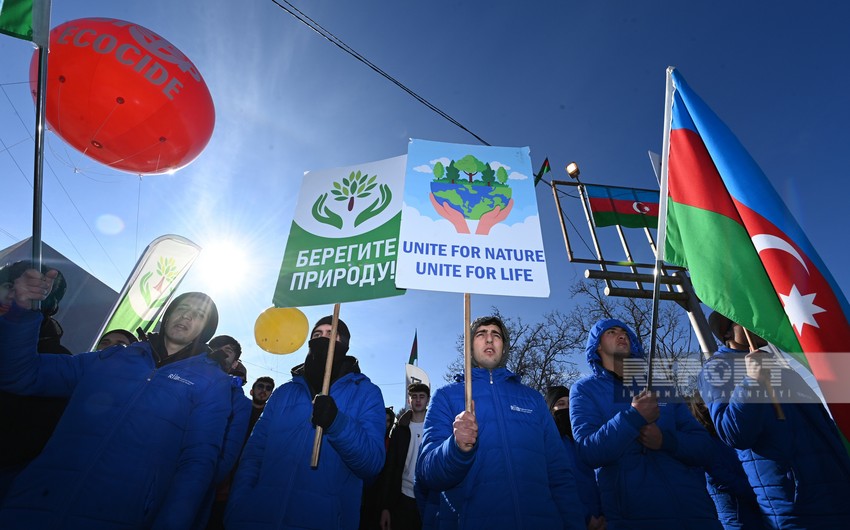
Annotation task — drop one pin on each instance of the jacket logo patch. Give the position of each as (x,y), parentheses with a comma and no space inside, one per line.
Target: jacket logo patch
(176,377)
(520,409)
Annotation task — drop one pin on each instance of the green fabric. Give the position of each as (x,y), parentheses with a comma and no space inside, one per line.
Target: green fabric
(16,18)
(727,273)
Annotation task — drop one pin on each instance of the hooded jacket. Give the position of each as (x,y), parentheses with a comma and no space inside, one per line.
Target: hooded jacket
(797,467)
(137,446)
(639,487)
(517,475)
(275,487)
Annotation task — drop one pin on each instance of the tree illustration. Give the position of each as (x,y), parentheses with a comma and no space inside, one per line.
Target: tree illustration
(502,176)
(452,171)
(488,175)
(439,170)
(357,185)
(470,165)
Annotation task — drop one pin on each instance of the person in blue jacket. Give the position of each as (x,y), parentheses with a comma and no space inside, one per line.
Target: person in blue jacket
(275,486)
(648,456)
(725,480)
(139,441)
(558,402)
(501,465)
(789,446)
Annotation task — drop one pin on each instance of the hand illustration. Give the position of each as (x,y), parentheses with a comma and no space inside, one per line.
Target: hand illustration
(451,215)
(497,215)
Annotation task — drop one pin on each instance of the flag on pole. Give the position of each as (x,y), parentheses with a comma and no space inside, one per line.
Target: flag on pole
(545,168)
(26,19)
(157,274)
(629,207)
(414,350)
(748,258)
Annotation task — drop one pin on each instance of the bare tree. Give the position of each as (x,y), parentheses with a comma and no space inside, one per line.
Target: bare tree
(552,351)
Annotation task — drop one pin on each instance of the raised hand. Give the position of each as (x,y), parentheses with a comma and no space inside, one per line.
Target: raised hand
(33,285)
(465,429)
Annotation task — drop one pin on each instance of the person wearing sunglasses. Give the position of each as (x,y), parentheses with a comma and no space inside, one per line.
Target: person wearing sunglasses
(261,391)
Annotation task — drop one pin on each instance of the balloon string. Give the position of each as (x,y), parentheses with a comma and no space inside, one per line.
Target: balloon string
(137,153)
(102,124)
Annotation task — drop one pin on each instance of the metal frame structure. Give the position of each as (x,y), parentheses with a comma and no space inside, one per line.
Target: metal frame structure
(677,284)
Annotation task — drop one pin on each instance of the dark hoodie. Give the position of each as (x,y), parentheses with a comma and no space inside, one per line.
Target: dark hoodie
(197,346)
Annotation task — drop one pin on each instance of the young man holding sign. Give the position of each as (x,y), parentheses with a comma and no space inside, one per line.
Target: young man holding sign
(501,465)
(275,485)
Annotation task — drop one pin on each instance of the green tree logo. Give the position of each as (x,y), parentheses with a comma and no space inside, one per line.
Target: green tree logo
(357,185)
(166,269)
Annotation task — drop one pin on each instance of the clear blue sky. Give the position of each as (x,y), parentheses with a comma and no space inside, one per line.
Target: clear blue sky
(573,80)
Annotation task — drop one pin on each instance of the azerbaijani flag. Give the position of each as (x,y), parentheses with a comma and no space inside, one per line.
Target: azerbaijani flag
(629,207)
(748,258)
(414,350)
(545,168)
(26,19)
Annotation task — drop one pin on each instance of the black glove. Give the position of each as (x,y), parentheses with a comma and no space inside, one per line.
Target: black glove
(324,411)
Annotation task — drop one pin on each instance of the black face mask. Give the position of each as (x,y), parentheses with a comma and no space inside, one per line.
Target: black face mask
(317,356)
(562,420)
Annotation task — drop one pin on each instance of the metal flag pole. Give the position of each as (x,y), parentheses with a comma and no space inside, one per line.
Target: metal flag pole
(41,38)
(662,224)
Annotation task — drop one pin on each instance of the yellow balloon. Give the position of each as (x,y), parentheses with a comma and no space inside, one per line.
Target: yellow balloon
(281,330)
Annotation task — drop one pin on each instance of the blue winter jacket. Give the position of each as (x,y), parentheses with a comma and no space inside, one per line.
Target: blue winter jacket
(275,487)
(517,475)
(234,440)
(588,491)
(640,487)
(737,508)
(797,467)
(137,446)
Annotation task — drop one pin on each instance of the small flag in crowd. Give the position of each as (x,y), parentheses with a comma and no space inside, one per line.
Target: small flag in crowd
(414,350)
(545,168)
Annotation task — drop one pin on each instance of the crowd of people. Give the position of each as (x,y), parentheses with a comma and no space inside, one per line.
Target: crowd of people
(155,431)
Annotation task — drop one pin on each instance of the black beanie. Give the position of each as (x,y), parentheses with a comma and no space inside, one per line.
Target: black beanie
(343,335)
(554,393)
(212,316)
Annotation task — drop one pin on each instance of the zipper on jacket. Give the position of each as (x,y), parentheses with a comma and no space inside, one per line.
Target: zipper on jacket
(502,431)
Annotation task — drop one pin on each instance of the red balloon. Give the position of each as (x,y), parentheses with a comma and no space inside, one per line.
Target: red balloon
(125,96)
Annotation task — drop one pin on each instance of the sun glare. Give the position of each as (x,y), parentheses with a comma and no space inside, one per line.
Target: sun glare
(222,265)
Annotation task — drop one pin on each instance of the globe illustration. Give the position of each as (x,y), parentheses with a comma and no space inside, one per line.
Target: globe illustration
(472,199)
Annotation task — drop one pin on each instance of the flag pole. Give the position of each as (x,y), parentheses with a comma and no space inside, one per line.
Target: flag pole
(662,224)
(467,356)
(41,38)
(780,414)
(326,385)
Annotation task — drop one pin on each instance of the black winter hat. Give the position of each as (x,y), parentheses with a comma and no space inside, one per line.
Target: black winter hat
(343,335)
(554,393)
(221,341)
(212,316)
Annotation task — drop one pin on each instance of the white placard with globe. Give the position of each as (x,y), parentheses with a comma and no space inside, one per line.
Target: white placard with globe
(469,221)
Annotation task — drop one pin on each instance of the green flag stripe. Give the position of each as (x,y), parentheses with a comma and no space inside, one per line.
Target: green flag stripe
(627,220)
(725,269)
(16,18)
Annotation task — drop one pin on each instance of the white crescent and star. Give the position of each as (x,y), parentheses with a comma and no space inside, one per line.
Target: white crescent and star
(640,207)
(800,308)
